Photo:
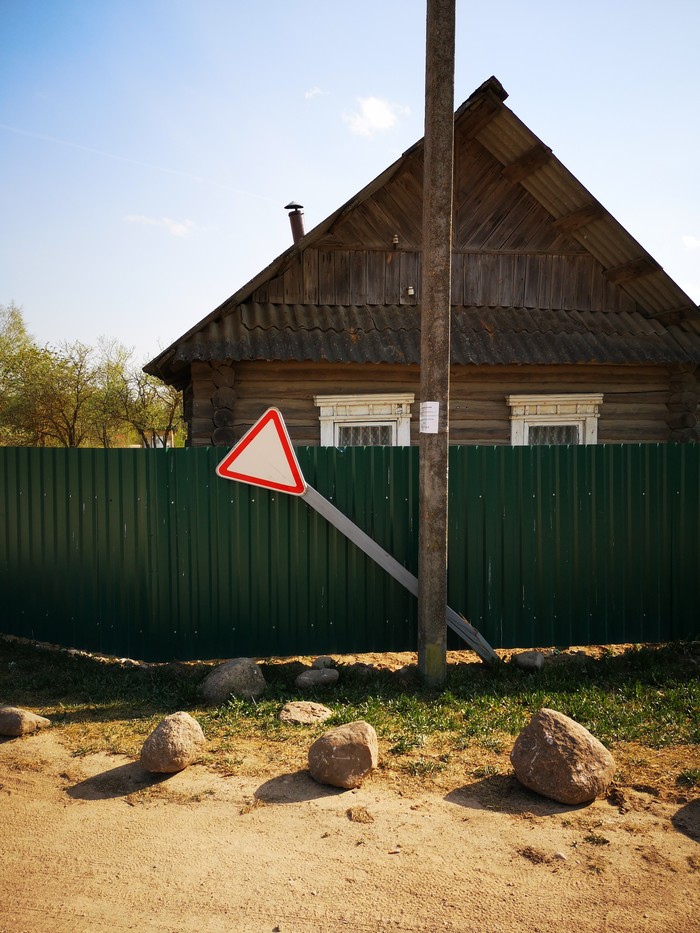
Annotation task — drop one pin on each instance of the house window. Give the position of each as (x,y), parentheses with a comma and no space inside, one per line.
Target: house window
(553,419)
(365,420)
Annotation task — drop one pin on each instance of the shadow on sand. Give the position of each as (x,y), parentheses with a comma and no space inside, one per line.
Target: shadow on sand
(117,782)
(687,820)
(295,788)
(503,793)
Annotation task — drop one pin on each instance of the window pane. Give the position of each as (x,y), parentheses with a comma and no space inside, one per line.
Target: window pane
(365,435)
(553,434)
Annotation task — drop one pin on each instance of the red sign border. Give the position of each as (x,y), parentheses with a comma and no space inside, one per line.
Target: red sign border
(275,415)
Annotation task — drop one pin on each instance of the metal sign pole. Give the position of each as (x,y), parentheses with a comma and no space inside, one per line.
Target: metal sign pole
(455,621)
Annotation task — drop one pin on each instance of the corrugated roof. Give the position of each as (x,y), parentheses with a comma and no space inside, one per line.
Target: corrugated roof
(480,336)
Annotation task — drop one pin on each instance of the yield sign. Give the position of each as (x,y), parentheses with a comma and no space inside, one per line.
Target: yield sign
(264,456)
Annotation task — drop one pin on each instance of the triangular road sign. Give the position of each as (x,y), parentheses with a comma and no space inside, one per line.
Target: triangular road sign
(264,456)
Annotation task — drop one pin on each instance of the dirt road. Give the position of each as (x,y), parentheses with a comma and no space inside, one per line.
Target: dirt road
(96,844)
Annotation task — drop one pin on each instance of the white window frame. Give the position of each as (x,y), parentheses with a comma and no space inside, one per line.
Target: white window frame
(580,410)
(392,409)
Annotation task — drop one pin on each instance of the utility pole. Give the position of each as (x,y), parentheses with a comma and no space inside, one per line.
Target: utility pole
(435,340)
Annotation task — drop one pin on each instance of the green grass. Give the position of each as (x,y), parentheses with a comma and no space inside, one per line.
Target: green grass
(690,777)
(647,695)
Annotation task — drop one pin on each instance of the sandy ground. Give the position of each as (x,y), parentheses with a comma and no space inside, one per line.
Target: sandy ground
(96,843)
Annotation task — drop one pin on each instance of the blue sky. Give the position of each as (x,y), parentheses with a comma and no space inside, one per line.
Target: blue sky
(148,147)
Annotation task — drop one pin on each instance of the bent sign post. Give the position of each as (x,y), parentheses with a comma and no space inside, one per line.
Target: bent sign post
(264,457)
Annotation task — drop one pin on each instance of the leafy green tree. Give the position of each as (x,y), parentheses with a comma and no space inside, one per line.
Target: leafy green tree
(13,335)
(145,405)
(67,396)
(75,395)
(153,409)
(22,365)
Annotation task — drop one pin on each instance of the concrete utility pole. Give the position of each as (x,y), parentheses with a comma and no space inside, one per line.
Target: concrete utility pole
(435,340)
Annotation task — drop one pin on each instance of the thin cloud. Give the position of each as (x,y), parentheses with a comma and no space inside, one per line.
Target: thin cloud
(374,116)
(147,165)
(691,242)
(313,92)
(174,227)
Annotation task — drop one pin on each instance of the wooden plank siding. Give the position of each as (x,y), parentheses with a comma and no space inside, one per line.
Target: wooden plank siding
(508,250)
(634,408)
(481,278)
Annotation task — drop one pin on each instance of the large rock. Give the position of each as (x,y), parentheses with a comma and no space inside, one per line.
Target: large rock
(305,712)
(173,745)
(556,757)
(240,677)
(15,721)
(344,756)
(322,677)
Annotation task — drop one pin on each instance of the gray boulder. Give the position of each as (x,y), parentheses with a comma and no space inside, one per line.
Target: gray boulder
(322,662)
(560,759)
(529,660)
(317,678)
(305,712)
(173,745)
(239,677)
(344,756)
(16,721)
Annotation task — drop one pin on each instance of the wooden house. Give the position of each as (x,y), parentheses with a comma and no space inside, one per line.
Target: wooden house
(564,329)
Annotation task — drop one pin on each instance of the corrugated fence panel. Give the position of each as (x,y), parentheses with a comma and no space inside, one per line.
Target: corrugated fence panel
(148,554)
(583,545)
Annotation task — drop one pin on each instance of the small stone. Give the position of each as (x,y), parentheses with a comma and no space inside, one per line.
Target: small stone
(305,712)
(174,744)
(317,678)
(15,721)
(407,674)
(560,759)
(323,662)
(239,677)
(529,660)
(344,756)
(362,670)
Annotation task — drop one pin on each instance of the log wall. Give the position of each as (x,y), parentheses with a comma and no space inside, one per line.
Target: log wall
(635,407)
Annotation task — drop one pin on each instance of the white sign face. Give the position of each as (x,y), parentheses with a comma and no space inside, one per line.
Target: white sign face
(265,457)
(429,417)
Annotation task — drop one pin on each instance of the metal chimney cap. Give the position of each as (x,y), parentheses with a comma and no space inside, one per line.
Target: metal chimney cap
(293,206)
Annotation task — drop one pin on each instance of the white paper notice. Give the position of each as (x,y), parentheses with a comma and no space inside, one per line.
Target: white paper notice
(429,417)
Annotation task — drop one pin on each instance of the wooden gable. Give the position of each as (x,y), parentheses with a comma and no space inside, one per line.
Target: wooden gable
(508,250)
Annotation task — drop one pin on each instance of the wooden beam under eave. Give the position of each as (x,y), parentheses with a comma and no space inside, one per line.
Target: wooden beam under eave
(527,163)
(581,217)
(673,315)
(634,269)
(480,115)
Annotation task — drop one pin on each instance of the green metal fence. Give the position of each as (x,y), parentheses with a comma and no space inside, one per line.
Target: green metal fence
(148,554)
